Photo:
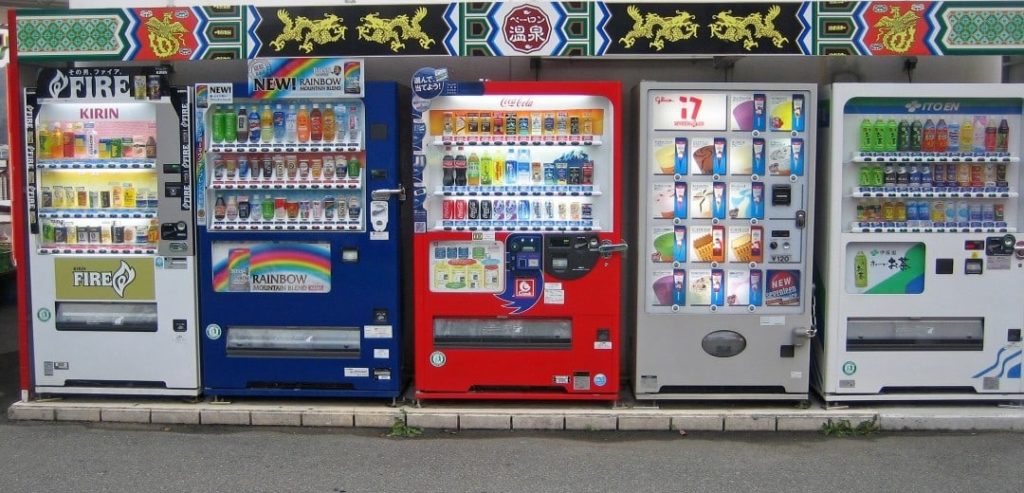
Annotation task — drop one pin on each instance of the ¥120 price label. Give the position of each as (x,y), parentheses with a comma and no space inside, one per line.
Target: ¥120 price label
(673,110)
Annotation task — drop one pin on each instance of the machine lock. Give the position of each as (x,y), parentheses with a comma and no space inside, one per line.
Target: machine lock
(386,193)
(802,334)
(606,248)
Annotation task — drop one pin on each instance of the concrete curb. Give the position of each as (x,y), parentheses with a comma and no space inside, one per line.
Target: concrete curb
(482,416)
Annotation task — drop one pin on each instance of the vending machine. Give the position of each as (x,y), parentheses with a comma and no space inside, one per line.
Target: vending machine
(298,233)
(920,260)
(723,298)
(517,240)
(111,234)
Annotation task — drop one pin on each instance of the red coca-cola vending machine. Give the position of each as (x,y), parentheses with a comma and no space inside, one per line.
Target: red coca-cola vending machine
(517,239)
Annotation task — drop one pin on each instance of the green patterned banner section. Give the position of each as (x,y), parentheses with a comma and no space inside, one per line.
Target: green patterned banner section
(898,28)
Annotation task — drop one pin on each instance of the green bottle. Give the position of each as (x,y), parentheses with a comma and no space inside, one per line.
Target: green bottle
(218,125)
(353,167)
(877,176)
(267,208)
(880,135)
(891,135)
(867,135)
(864,177)
(860,270)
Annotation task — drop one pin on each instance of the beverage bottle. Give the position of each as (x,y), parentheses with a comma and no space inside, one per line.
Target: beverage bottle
(242,125)
(878,143)
(354,166)
(953,141)
(291,124)
(499,170)
(279,123)
(1003,136)
(243,207)
(860,270)
(153,232)
(941,136)
(354,123)
(266,125)
(302,124)
(486,169)
(903,136)
(151,147)
(867,135)
(864,176)
(341,122)
(916,129)
(448,170)
(43,142)
(523,167)
(218,125)
(990,135)
(877,176)
(316,124)
(130,196)
(267,207)
(231,211)
(890,175)
(928,140)
(510,168)
(473,170)
(926,175)
(460,170)
(92,141)
(79,132)
(254,124)
(891,135)
(967,136)
(330,127)
(54,142)
(68,144)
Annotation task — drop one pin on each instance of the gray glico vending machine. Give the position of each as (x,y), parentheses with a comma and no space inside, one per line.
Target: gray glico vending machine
(723,299)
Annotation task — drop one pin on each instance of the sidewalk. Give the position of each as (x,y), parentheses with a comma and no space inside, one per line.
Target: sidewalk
(628,415)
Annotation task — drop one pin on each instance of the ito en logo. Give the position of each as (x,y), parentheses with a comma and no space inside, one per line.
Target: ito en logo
(932,106)
(849,368)
(58,84)
(118,280)
(526,28)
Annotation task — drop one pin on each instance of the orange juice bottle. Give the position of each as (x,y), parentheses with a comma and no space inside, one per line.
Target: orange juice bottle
(302,124)
(329,123)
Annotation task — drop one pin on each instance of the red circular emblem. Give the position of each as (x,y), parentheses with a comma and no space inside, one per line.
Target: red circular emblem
(526,28)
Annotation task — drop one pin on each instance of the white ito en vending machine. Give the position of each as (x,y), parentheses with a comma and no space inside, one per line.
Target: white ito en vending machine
(919,254)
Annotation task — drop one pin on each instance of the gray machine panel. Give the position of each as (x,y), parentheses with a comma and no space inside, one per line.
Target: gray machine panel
(724,285)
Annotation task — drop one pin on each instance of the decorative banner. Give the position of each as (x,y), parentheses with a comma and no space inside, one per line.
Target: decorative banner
(108,279)
(782,288)
(306,78)
(279,268)
(885,268)
(541,28)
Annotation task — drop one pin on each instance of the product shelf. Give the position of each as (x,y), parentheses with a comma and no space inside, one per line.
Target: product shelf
(513,226)
(346,184)
(79,249)
(519,191)
(287,225)
(934,192)
(140,213)
(526,140)
(933,157)
(931,227)
(296,147)
(96,164)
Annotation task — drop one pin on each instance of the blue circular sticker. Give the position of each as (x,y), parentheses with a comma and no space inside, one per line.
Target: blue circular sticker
(600,379)
(425,83)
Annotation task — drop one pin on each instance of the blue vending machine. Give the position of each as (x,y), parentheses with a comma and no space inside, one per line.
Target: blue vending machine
(298,209)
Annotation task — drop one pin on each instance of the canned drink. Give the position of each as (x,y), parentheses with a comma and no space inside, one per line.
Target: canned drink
(562,123)
(562,172)
(939,174)
(328,207)
(588,173)
(950,214)
(549,174)
(446,209)
(60,233)
(499,210)
(963,175)
(47,197)
(473,123)
(924,211)
(998,212)
(139,86)
(988,213)
(938,214)
(963,211)
(473,209)
(460,209)
(341,166)
(562,211)
(342,208)
(575,175)
(574,211)
(1001,175)
(510,124)
(486,210)
(510,210)
(153,86)
(304,168)
(536,126)
(485,123)
(94,234)
(549,209)
(536,173)
(951,174)
(105,199)
(94,200)
(447,124)
(990,175)
(354,208)
(524,126)
(524,210)
(587,212)
(976,213)
(574,125)
(977,175)
(117,234)
(115,148)
(536,209)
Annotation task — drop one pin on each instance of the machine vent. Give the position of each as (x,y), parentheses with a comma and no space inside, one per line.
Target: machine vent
(722,389)
(124,384)
(301,385)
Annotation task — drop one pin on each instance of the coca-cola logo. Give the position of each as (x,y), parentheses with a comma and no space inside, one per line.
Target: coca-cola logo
(516,103)
(526,28)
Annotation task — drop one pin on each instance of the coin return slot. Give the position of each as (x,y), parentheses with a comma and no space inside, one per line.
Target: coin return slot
(349,254)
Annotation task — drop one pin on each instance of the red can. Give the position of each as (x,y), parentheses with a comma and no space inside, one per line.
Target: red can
(460,209)
(446,209)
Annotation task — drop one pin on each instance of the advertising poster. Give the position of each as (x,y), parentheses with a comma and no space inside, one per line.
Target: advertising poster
(782,288)
(108,279)
(885,268)
(278,267)
(276,78)
(467,266)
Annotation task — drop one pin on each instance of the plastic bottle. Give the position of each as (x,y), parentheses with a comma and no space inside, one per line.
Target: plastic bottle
(510,168)
(354,166)
(486,169)
(266,125)
(967,135)
(341,122)
(218,125)
(523,167)
(316,124)
(878,144)
(903,136)
(867,135)
(953,142)
(279,125)
(242,125)
(267,207)
(928,139)
(129,196)
(330,124)
(231,211)
(302,124)
(291,124)
(941,136)
(68,141)
(891,135)
(92,141)
(254,124)
(499,170)
(473,170)
(916,131)
(1003,136)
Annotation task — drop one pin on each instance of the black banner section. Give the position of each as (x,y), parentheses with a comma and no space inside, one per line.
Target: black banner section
(110,83)
(703,28)
(361,30)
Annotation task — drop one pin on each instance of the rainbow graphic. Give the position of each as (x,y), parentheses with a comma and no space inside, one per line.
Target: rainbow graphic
(305,77)
(202,95)
(309,264)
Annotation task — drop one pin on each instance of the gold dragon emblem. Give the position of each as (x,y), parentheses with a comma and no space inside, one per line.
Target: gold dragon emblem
(308,32)
(749,29)
(165,36)
(897,31)
(382,31)
(659,29)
